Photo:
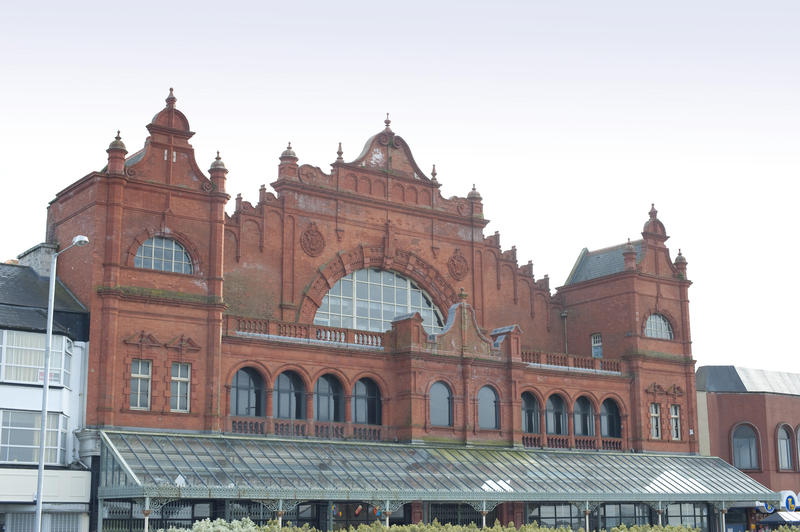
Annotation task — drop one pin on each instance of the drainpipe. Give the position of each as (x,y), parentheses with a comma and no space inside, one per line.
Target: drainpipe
(564,318)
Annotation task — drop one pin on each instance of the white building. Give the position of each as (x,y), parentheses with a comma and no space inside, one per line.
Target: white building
(67,480)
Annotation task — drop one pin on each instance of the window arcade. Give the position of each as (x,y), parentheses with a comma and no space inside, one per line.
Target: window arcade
(441,405)
(488,409)
(289,397)
(247,393)
(366,403)
(556,415)
(530,414)
(328,399)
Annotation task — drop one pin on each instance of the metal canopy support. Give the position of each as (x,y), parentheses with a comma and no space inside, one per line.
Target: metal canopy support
(483,507)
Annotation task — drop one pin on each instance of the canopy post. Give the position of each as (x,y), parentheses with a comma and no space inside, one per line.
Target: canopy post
(483,515)
(660,511)
(280,513)
(586,513)
(146,513)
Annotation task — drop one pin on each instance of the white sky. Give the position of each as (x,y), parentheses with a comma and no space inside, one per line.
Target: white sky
(571,117)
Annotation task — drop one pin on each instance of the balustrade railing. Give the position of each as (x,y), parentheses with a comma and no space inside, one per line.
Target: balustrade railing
(571,361)
(612,444)
(334,335)
(557,442)
(301,428)
(585,442)
(531,440)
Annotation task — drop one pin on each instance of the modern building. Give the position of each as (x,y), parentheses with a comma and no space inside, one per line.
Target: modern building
(23,313)
(751,418)
(353,345)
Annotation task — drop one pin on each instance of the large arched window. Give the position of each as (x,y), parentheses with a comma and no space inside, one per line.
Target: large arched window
(556,415)
(784,448)
(366,403)
(488,409)
(369,300)
(247,393)
(583,417)
(530,413)
(289,397)
(745,447)
(441,405)
(163,254)
(658,326)
(328,399)
(610,425)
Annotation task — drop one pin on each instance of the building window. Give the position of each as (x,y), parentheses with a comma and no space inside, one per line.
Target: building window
(369,300)
(745,448)
(556,516)
(583,417)
(366,403)
(784,448)
(289,399)
(441,405)
(488,409)
(141,372)
(19,437)
(247,393)
(556,415)
(22,358)
(658,327)
(610,421)
(597,345)
(691,515)
(530,413)
(179,387)
(613,515)
(163,254)
(675,421)
(328,399)
(655,421)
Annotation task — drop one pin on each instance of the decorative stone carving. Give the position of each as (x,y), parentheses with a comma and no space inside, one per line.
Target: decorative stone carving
(312,241)
(457,265)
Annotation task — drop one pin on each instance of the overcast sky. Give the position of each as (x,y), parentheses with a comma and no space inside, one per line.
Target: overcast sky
(571,118)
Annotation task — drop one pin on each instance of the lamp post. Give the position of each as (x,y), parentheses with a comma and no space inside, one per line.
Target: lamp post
(79,240)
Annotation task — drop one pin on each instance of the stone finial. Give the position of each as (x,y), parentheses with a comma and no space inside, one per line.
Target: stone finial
(387,122)
(653,212)
(473,194)
(218,164)
(288,152)
(462,295)
(339,153)
(171,99)
(117,143)
(433,173)
(629,256)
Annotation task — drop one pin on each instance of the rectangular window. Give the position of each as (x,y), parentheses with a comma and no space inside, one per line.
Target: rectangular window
(179,387)
(22,358)
(597,345)
(675,421)
(655,421)
(19,437)
(141,371)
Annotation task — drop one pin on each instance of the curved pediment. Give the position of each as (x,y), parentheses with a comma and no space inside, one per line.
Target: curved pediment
(388,152)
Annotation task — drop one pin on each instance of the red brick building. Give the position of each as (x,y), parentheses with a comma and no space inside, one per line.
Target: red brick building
(360,304)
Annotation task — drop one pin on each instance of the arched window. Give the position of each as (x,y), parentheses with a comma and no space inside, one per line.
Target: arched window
(530,413)
(610,425)
(745,448)
(583,417)
(556,415)
(289,398)
(163,254)
(366,403)
(441,405)
(369,300)
(784,448)
(328,399)
(658,327)
(247,393)
(488,409)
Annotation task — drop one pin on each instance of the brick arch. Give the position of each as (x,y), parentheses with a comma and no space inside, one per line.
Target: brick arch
(340,376)
(382,385)
(403,262)
(592,401)
(536,395)
(621,406)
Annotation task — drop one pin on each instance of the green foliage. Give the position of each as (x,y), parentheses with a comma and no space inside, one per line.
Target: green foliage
(246,525)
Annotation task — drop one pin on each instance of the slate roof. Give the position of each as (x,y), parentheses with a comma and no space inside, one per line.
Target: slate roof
(23,304)
(599,263)
(733,379)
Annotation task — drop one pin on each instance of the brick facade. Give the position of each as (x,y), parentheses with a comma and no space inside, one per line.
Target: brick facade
(260,274)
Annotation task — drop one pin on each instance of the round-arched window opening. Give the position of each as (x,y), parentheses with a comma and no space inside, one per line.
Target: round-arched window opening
(163,254)
(658,326)
(370,299)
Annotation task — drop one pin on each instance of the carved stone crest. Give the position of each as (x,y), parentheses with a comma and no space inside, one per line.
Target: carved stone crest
(457,265)
(312,241)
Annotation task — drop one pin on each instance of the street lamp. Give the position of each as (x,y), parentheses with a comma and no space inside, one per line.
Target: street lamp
(79,240)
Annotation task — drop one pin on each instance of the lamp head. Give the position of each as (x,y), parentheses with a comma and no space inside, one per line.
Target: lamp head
(80,240)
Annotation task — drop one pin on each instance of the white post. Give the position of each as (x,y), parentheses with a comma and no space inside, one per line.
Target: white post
(722,513)
(146,513)
(79,240)
(45,390)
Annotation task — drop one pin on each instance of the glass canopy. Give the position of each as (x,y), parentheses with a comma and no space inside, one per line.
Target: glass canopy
(135,464)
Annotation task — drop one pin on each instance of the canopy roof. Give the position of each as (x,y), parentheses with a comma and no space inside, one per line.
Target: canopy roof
(136,464)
